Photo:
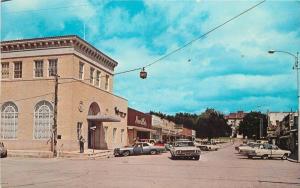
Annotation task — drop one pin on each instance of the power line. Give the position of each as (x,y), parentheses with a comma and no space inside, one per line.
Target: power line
(174,51)
(180,48)
(31,97)
(194,40)
(45,9)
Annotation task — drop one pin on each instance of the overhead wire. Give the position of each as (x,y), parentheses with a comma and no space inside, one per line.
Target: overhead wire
(172,52)
(51,93)
(194,40)
(45,9)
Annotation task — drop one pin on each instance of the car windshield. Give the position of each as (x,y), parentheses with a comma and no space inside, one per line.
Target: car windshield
(183,144)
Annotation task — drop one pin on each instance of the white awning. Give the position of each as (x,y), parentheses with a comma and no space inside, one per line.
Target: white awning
(103,118)
(141,129)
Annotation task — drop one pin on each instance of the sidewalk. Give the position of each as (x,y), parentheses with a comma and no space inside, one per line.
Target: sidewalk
(88,154)
(293,158)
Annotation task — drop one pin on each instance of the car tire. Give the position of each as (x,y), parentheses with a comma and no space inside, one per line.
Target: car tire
(173,157)
(126,153)
(153,152)
(284,157)
(250,157)
(197,158)
(265,157)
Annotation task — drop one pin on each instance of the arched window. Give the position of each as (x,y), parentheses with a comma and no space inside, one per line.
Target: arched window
(43,120)
(9,121)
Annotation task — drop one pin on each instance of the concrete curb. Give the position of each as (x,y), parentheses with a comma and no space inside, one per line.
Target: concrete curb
(292,160)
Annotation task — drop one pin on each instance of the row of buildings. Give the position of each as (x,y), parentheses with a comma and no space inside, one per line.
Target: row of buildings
(67,82)
(281,129)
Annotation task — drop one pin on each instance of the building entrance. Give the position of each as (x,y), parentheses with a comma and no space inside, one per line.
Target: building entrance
(94,128)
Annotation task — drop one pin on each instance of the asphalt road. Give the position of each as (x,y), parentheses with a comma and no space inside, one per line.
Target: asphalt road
(223,168)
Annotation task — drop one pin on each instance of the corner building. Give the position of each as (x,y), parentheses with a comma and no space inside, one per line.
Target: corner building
(85,95)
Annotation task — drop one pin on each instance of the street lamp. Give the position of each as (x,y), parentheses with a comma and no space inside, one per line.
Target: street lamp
(296,66)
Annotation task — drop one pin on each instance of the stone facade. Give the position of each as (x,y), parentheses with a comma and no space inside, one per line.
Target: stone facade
(85,88)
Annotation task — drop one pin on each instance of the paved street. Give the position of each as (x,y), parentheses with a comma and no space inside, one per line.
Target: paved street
(222,168)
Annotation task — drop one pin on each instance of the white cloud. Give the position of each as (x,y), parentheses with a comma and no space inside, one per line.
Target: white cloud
(229,69)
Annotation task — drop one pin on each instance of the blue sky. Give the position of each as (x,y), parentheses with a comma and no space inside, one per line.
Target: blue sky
(228,70)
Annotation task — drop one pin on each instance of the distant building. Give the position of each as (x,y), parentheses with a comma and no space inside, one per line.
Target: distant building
(274,120)
(283,130)
(234,120)
(157,125)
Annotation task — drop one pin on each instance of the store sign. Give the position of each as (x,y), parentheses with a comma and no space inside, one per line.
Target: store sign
(140,121)
(120,113)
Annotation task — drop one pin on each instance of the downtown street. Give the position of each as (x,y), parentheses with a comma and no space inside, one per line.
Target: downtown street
(223,168)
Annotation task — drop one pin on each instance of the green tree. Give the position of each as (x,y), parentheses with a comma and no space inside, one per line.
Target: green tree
(212,124)
(250,126)
(209,124)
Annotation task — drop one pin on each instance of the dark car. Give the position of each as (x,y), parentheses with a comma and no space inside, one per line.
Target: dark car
(3,150)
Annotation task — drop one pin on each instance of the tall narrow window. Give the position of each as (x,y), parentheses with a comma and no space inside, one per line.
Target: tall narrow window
(114,135)
(98,75)
(107,82)
(43,120)
(52,67)
(79,127)
(92,70)
(5,70)
(122,135)
(81,68)
(9,121)
(39,66)
(18,69)
(105,133)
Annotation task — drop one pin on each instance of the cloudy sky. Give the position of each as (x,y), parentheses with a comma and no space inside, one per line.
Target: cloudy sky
(228,70)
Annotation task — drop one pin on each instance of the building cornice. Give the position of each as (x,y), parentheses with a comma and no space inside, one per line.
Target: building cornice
(73,41)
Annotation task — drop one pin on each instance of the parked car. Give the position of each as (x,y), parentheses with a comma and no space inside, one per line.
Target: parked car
(237,147)
(3,150)
(262,141)
(185,149)
(151,141)
(269,151)
(139,148)
(249,147)
(168,146)
(207,146)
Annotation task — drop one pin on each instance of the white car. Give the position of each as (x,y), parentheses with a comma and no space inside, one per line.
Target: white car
(185,150)
(269,151)
(247,148)
(207,146)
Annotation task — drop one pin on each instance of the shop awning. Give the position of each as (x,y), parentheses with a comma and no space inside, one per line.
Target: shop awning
(103,118)
(141,129)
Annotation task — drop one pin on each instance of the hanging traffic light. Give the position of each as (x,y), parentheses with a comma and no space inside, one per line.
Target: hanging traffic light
(143,73)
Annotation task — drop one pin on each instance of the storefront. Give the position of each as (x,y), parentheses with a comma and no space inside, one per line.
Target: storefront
(139,126)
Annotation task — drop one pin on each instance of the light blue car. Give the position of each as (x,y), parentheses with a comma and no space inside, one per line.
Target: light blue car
(139,148)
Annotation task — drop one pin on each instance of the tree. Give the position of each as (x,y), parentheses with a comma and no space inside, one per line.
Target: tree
(250,126)
(212,124)
(209,124)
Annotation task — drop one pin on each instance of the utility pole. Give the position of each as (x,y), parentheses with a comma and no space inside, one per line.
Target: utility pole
(260,128)
(54,128)
(296,66)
